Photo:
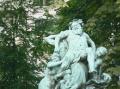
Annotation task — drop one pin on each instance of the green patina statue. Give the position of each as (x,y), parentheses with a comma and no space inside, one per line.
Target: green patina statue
(75,57)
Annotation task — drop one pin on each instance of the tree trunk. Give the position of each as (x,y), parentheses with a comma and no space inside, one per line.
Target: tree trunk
(44,2)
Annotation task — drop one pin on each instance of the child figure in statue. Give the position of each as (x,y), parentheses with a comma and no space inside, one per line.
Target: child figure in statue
(100,53)
(48,82)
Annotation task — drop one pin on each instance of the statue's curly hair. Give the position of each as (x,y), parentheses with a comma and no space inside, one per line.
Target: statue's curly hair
(79,21)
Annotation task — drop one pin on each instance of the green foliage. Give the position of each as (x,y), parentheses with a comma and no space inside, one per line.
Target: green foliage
(17,69)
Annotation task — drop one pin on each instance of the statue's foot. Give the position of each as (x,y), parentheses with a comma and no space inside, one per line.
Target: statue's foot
(96,81)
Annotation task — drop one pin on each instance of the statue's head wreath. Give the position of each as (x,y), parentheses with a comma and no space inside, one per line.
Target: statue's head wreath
(79,21)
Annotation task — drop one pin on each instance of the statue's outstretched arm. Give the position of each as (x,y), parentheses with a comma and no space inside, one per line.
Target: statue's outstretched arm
(60,36)
(53,64)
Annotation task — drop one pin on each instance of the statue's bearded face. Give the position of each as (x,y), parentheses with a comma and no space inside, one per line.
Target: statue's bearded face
(76,28)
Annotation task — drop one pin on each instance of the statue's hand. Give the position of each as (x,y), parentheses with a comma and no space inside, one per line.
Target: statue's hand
(44,39)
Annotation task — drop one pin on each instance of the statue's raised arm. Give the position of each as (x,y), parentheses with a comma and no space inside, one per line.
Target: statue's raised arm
(60,36)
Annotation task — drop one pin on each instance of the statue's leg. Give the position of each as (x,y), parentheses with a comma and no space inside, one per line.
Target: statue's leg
(78,76)
(91,60)
(68,58)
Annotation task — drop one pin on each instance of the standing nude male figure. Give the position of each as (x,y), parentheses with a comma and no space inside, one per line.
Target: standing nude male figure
(79,46)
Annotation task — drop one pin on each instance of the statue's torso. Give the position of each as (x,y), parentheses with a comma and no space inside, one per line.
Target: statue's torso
(77,42)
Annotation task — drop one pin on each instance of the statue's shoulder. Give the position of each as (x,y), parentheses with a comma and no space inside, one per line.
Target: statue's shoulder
(65,32)
(85,34)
